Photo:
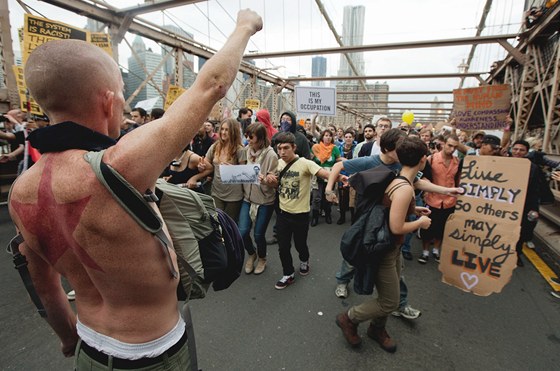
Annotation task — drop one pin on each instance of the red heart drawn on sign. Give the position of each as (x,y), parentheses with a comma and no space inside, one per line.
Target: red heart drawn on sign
(470,280)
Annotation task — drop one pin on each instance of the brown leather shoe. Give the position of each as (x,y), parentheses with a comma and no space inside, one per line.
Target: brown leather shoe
(380,335)
(349,329)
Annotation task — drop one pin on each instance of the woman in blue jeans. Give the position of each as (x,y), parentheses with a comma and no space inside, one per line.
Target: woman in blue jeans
(258,199)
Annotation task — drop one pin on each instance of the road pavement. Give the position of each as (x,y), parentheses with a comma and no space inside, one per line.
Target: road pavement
(253,326)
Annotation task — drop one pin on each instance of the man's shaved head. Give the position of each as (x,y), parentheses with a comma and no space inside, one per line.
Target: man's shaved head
(70,75)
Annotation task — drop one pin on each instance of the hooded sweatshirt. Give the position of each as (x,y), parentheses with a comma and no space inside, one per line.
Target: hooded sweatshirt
(302,145)
(263,116)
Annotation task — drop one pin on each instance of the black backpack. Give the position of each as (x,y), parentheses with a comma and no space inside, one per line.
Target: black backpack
(370,236)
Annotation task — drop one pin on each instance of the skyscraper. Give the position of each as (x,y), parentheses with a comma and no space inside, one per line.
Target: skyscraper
(318,69)
(137,72)
(188,60)
(352,34)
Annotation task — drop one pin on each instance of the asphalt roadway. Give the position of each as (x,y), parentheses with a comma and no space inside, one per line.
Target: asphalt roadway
(253,326)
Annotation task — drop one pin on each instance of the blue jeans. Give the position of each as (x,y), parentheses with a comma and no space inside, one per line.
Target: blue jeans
(346,273)
(264,214)
(412,217)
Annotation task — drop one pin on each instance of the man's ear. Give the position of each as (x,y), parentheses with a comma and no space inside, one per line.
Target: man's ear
(108,101)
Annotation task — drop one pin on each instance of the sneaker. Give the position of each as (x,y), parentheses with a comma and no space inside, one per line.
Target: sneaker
(349,329)
(423,259)
(271,241)
(530,245)
(407,255)
(435,254)
(556,294)
(380,335)
(284,282)
(341,290)
(407,312)
(71,295)
(304,268)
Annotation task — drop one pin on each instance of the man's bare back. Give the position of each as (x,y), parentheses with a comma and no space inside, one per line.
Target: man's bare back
(73,227)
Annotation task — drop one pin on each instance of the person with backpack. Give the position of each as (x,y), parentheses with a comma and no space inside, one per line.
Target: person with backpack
(292,213)
(399,198)
(258,199)
(125,281)
(227,150)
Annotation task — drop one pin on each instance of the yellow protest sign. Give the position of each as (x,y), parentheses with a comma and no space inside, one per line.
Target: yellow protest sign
(482,108)
(253,104)
(23,97)
(172,94)
(102,40)
(38,30)
(478,248)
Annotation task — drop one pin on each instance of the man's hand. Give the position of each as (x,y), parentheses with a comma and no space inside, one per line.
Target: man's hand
(69,347)
(251,20)
(555,175)
(455,192)
(331,197)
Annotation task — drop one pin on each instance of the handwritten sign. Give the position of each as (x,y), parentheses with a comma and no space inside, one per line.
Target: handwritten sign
(253,104)
(313,99)
(240,174)
(482,108)
(24,98)
(478,248)
(38,31)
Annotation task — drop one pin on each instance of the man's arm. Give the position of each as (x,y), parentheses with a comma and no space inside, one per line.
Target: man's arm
(314,130)
(156,144)
(427,186)
(332,178)
(324,174)
(59,312)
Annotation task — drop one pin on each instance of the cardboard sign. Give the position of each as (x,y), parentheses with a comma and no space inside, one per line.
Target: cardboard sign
(102,40)
(253,104)
(22,92)
(483,108)
(39,30)
(478,248)
(172,94)
(313,99)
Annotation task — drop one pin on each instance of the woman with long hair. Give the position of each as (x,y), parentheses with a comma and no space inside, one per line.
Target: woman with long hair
(227,150)
(325,153)
(258,199)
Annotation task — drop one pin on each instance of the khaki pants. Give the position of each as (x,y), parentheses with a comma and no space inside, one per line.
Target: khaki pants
(388,291)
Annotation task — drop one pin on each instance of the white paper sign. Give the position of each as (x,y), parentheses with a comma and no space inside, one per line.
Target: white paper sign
(240,174)
(313,99)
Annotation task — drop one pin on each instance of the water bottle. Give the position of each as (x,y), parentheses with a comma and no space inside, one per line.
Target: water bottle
(532,215)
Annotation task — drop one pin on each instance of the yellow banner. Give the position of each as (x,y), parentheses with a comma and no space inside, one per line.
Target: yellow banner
(253,104)
(172,94)
(23,97)
(38,31)
(102,40)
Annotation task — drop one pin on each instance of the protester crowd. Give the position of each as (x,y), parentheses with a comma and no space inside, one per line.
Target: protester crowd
(303,180)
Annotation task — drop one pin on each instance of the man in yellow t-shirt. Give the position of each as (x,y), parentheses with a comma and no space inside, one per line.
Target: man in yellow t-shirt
(293,211)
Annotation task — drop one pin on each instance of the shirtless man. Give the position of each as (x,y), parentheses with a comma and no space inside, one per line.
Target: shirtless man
(125,290)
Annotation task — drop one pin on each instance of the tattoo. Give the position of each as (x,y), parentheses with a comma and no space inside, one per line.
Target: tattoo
(53,223)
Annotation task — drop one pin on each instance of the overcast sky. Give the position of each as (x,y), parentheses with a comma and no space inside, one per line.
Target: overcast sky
(298,24)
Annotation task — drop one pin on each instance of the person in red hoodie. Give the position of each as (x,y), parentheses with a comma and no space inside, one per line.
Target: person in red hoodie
(263,116)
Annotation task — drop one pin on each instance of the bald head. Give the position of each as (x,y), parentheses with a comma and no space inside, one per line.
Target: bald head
(70,76)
